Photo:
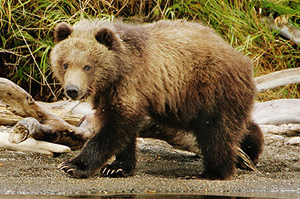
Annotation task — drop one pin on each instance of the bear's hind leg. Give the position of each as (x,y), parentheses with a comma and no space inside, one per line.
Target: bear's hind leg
(219,149)
(124,164)
(219,161)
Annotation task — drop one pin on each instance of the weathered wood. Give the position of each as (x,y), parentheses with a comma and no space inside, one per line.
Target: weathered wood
(39,123)
(279,78)
(284,111)
(60,109)
(61,134)
(19,101)
(70,111)
(31,144)
(7,117)
(285,28)
(287,130)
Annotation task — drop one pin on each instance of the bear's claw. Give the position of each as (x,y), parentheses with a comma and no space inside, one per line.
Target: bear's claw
(112,172)
(74,171)
(116,169)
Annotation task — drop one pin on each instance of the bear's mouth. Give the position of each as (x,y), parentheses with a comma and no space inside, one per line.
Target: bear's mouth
(87,94)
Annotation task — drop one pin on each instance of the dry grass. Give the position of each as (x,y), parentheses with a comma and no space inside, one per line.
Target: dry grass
(27,31)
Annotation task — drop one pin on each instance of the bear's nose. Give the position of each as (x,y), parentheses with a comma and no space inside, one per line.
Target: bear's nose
(72,91)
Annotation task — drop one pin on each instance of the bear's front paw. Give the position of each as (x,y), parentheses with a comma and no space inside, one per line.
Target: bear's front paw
(73,170)
(117,169)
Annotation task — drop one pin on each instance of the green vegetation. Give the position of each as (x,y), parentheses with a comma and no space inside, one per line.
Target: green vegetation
(26,33)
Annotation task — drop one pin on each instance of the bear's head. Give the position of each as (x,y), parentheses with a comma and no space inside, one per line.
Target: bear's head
(85,58)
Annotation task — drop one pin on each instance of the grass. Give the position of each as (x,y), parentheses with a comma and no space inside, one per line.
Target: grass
(26,33)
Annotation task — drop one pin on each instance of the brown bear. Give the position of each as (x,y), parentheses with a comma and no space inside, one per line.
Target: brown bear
(177,74)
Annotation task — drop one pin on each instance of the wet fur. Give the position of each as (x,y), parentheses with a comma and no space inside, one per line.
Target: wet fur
(181,75)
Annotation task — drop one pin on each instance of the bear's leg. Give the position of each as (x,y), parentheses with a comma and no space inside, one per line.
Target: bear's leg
(219,150)
(253,142)
(113,138)
(124,164)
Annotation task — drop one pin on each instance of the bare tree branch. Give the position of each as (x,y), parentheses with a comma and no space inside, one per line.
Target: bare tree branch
(279,78)
(285,28)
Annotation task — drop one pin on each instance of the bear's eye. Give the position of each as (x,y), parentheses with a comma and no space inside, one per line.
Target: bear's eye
(87,68)
(65,66)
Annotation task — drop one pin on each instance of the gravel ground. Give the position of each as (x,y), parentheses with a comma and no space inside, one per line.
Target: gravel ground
(160,169)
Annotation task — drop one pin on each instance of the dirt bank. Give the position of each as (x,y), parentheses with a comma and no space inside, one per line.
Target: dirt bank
(160,169)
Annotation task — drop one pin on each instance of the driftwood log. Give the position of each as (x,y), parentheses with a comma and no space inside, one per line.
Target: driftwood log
(276,112)
(32,144)
(284,27)
(279,78)
(39,123)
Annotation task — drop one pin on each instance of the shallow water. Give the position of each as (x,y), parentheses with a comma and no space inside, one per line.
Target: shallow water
(139,196)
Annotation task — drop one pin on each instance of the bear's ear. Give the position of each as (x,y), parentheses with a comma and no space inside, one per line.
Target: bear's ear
(62,31)
(108,38)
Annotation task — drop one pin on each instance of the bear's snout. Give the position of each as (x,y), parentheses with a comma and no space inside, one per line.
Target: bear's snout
(72,91)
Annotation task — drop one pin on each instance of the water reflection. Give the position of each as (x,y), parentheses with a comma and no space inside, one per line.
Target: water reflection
(170,196)
(131,196)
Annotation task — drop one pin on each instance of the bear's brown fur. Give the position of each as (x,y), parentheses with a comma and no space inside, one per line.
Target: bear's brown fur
(180,74)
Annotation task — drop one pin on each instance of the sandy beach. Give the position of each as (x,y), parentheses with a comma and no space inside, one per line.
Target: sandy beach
(160,169)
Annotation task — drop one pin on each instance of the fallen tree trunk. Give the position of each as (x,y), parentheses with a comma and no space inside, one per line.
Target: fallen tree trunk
(279,78)
(31,144)
(286,130)
(283,111)
(62,109)
(41,125)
